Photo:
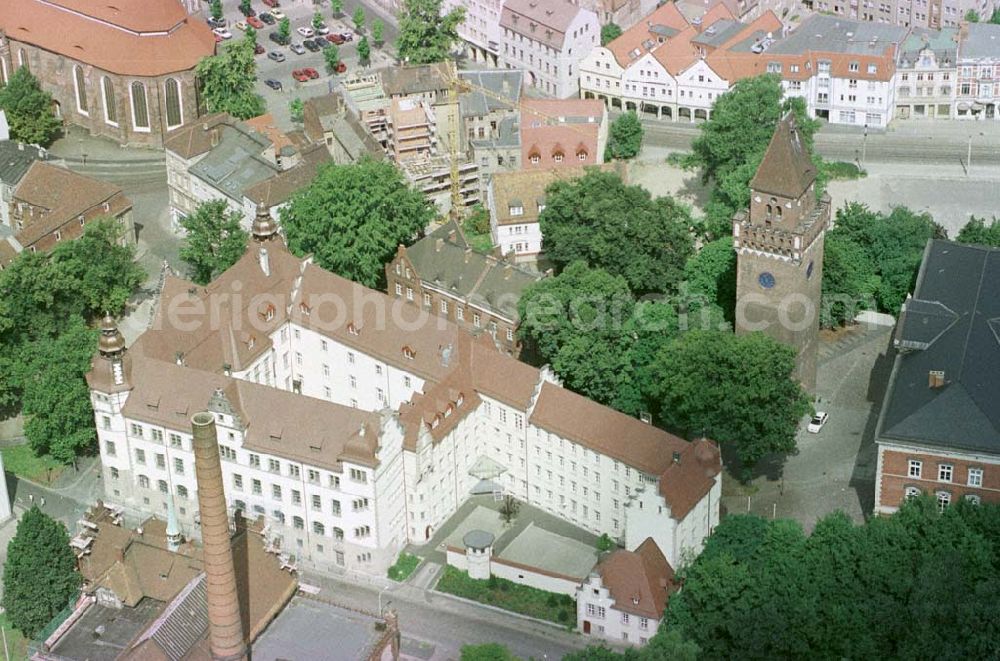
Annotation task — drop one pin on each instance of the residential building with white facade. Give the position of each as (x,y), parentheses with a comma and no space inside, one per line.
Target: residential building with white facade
(978,72)
(480,31)
(547,39)
(623,599)
(359,423)
(927,74)
(905,13)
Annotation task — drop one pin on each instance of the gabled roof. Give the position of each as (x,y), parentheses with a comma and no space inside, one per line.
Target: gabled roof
(945,384)
(552,18)
(16,158)
(690,476)
(787,169)
(639,581)
(665,22)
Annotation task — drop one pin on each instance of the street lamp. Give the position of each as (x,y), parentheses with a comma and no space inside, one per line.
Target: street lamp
(380,600)
(968,157)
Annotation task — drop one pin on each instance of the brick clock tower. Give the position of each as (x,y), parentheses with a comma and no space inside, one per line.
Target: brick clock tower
(779,250)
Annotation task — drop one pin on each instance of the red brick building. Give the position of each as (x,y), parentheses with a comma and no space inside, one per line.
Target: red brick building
(939,429)
(123,70)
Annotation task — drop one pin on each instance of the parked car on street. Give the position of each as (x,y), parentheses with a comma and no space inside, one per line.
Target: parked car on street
(277,13)
(306,32)
(276,38)
(255,22)
(276,56)
(271,3)
(322,29)
(297,49)
(300,75)
(341,67)
(312,46)
(258,49)
(216,22)
(312,73)
(273,84)
(240,25)
(817,422)
(267,18)
(334,38)
(224,33)
(347,35)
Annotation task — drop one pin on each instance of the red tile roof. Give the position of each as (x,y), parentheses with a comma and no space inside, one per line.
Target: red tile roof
(128,37)
(641,34)
(639,581)
(690,477)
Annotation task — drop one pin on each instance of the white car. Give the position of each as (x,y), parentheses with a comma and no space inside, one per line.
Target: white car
(223,33)
(277,13)
(240,26)
(306,32)
(322,29)
(817,422)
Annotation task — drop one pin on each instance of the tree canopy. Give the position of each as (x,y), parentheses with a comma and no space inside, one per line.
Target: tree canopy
(609,33)
(625,136)
(978,231)
(711,273)
(229,79)
(736,389)
(39,577)
(29,109)
(731,145)
(214,240)
(425,35)
(870,255)
(487,652)
(364,51)
(621,229)
(598,339)
(359,18)
(353,217)
(918,584)
(45,345)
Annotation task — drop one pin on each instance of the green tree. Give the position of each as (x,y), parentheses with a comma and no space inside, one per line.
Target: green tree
(251,35)
(972,16)
(487,652)
(353,217)
(710,273)
(228,81)
(625,137)
(39,577)
(337,7)
(731,144)
(995,17)
(894,245)
(245,7)
(736,389)
(364,52)
(509,509)
(215,7)
(378,31)
(849,281)
(213,240)
(978,232)
(609,33)
(317,21)
(99,272)
(296,108)
(29,109)
(605,543)
(284,30)
(59,420)
(331,56)
(621,229)
(359,19)
(425,34)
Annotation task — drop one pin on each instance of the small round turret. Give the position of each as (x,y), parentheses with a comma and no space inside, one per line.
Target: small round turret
(111,343)
(264,228)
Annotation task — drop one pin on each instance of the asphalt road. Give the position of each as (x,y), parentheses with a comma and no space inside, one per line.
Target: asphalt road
(940,142)
(430,619)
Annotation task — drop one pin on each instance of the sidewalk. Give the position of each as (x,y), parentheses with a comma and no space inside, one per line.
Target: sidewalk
(78,145)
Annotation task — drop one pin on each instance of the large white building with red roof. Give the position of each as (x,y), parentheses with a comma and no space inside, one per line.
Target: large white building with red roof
(123,70)
(358,423)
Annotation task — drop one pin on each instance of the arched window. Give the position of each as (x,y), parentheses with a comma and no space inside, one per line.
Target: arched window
(318,528)
(162,486)
(172,94)
(81,89)
(298,523)
(22,58)
(110,103)
(140,112)
(182,491)
(143,481)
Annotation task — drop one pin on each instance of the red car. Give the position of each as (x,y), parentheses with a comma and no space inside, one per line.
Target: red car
(271,3)
(255,23)
(312,73)
(258,49)
(334,38)
(300,75)
(341,67)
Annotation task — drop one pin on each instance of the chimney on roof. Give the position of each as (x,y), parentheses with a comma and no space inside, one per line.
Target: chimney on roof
(225,628)
(677,457)
(174,537)
(213,137)
(265,262)
(935,379)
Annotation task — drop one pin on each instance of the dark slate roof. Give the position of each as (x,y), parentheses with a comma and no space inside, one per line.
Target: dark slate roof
(951,325)
(444,260)
(16,158)
(787,169)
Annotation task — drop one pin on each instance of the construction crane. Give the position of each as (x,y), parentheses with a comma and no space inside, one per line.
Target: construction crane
(456,86)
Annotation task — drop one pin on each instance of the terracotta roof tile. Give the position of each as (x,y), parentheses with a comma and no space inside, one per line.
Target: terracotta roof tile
(639,581)
(787,169)
(664,23)
(686,481)
(130,37)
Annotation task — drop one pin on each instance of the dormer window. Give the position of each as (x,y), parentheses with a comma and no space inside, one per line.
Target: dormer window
(581,155)
(557,157)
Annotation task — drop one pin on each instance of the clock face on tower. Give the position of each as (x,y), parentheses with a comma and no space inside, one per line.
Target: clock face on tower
(766,280)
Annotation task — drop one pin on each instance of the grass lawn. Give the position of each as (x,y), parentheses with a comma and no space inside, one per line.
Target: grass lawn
(17,645)
(843,170)
(479,242)
(21,461)
(511,596)
(405,564)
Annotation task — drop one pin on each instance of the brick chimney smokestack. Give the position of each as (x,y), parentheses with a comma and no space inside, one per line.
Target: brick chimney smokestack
(225,629)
